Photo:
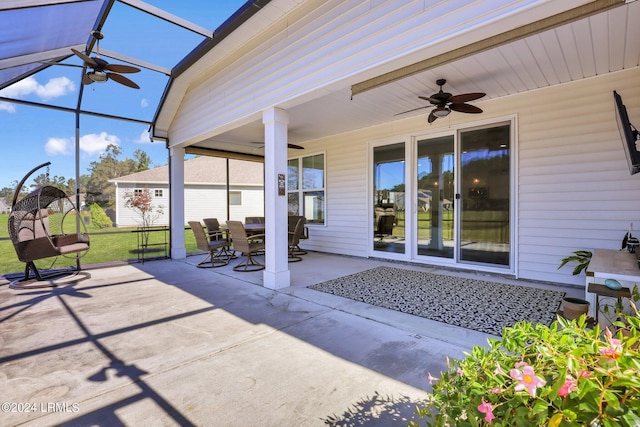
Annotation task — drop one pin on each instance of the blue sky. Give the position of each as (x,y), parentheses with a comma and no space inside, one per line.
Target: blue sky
(32,135)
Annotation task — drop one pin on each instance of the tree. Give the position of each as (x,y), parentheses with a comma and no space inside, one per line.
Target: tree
(98,188)
(98,217)
(142,203)
(66,185)
(7,193)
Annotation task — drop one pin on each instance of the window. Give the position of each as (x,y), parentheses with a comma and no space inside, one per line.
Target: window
(137,191)
(158,193)
(305,188)
(235,198)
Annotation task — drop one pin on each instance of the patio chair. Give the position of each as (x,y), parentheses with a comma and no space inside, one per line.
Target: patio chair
(254,220)
(215,233)
(293,220)
(294,237)
(247,246)
(384,227)
(45,224)
(218,256)
(213,228)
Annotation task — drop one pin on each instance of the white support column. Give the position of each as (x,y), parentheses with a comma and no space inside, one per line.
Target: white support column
(176,190)
(276,274)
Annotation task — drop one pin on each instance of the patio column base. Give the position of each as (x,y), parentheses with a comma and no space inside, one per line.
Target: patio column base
(276,280)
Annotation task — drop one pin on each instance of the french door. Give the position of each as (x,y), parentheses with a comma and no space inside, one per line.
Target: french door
(451,197)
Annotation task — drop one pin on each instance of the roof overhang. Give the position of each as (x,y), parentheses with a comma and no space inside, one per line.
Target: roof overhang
(502,57)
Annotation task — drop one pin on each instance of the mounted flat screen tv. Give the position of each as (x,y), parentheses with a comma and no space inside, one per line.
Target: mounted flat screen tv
(629,134)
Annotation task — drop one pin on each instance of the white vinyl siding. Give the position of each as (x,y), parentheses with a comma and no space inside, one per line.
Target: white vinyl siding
(574,188)
(127,217)
(201,201)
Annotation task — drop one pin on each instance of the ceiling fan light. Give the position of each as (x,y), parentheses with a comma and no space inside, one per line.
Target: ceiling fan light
(97,76)
(441,112)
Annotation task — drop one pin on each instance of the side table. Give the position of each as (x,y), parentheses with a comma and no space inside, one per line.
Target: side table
(604,291)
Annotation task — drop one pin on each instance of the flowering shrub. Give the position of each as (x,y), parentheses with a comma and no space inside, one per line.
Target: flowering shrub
(559,375)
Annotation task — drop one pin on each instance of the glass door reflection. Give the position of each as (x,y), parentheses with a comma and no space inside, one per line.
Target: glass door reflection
(435,196)
(485,194)
(389,198)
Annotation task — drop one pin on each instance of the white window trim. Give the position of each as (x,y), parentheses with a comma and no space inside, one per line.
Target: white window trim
(302,190)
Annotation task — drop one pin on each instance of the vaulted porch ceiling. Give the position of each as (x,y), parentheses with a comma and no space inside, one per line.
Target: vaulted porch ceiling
(605,42)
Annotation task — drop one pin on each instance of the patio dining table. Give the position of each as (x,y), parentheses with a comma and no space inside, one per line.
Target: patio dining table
(250,228)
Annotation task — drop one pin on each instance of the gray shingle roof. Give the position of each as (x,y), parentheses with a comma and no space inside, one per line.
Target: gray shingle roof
(202,170)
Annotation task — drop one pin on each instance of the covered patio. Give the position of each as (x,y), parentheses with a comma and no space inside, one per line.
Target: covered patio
(166,343)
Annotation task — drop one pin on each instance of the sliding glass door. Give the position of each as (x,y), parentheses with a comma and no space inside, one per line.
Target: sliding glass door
(445,198)
(485,188)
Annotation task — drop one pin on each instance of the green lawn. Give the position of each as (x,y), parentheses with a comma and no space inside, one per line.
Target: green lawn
(107,245)
(479,226)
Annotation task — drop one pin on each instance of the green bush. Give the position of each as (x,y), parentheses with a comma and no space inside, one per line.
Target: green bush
(559,375)
(99,218)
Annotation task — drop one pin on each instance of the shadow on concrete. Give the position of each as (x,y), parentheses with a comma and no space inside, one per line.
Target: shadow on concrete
(105,416)
(254,304)
(376,411)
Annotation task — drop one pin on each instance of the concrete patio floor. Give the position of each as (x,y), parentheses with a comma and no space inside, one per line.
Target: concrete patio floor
(165,343)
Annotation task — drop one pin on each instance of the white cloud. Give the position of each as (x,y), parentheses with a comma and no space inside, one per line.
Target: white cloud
(8,107)
(21,88)
(94,143)
(55,146)
(144,103)
(54,88)
(144,138)
(91,144)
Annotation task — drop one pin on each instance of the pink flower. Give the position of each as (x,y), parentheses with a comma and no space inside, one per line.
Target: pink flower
(487,409)
(496,390)
(569,385)
(583,373)
(615,348)
(498,370)
(527,379)
(431,378)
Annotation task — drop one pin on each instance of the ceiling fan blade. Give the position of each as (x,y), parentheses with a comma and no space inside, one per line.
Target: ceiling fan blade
(123,80)
(86,59)
(431,100)
(465,108)
(466,97)
(415,109)
(121,68)
(432,117)
(295,147)
(86,80)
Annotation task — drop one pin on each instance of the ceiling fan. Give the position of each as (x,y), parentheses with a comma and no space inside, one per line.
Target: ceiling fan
(101,71)
(445,102)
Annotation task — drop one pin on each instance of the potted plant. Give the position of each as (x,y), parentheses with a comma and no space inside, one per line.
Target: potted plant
(573,308)
(537,375)
(582,258)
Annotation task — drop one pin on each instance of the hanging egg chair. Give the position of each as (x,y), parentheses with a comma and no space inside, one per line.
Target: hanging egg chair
(45,224)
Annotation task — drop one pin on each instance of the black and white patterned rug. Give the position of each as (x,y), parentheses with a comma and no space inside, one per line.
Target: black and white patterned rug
(473,304)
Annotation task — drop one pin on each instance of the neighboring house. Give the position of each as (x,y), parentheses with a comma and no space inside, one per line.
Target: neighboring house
(205,191)
(542,168)
(4,206)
